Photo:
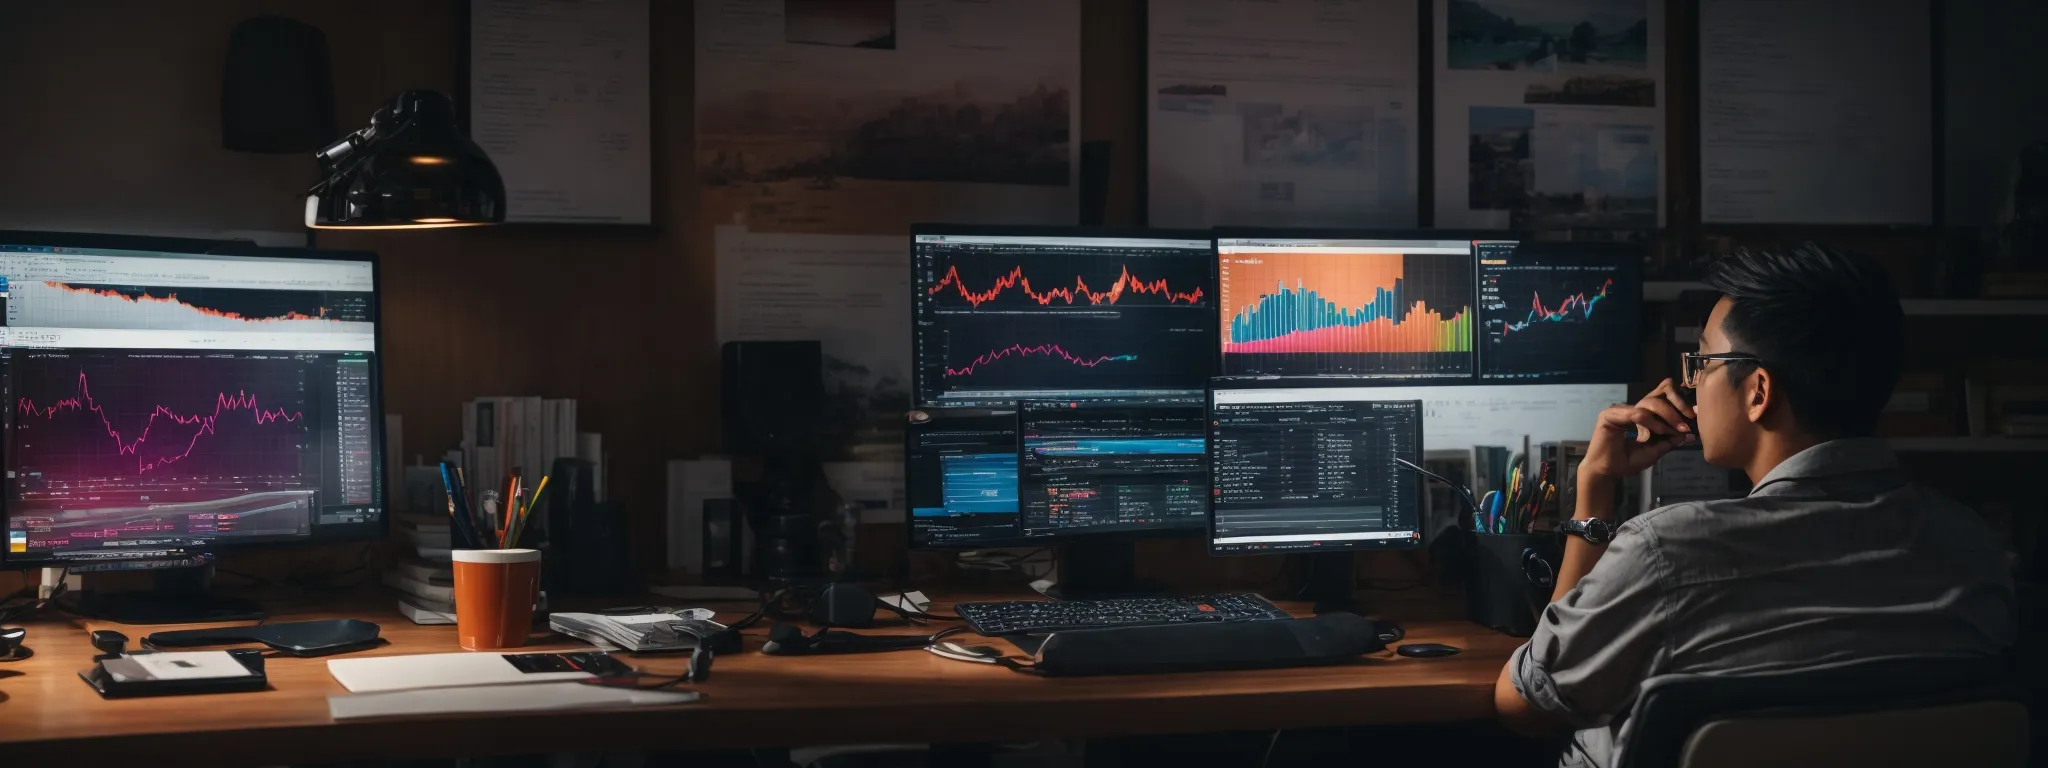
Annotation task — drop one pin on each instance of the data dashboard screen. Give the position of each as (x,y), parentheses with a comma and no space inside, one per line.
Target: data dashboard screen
(161,403)
(1346,308)
(1559,312)
(1088,468)
(1313,469)
(997,318)
(961,478)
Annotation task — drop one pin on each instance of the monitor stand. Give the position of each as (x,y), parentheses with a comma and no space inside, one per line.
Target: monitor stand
(1100,569)
(181,595)
(1331,583)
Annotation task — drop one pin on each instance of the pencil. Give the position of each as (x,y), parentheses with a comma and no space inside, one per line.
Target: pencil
(527,513)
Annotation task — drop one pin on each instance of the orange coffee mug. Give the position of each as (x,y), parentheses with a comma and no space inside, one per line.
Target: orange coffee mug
(494,594)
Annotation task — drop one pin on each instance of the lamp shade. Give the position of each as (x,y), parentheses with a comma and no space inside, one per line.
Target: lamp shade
(412,168)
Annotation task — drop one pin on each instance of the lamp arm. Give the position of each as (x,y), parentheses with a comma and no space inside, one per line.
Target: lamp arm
(335,158)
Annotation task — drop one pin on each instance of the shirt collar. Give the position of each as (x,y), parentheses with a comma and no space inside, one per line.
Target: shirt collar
(1835,457)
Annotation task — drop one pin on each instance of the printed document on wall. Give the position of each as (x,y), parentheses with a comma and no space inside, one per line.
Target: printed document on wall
(1549,114)
(866,116)
(1815,113)
(1294,113)
(559,99)
(852,294)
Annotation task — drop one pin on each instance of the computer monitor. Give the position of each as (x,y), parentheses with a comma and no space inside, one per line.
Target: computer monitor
(1559,313)
(1110,469)
(170,398)
(1002,314)
(961,478)
(1312,470)
(1336,305)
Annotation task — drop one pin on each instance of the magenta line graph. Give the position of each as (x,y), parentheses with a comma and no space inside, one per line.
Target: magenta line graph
(223,404)
(1051,351)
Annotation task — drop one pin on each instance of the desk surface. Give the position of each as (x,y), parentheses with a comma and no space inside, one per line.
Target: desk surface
(47,715)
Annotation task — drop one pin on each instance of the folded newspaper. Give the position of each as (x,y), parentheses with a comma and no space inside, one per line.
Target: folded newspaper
(671,630)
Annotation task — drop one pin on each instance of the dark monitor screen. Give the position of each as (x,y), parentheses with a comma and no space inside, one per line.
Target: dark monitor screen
(961,478)
(1313,469)
(999,315)
(167,402)
(1088,469)
(1345,307)
(1559,313)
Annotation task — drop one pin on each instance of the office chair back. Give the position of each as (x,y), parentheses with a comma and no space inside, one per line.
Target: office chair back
(1895,712)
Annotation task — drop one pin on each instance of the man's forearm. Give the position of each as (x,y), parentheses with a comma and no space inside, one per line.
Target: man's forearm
(1596,493)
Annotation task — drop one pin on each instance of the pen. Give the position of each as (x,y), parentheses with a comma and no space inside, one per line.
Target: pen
(457,512)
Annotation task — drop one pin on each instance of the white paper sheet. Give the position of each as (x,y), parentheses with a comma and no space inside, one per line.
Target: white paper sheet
(559,99)
(1299,113)
(498,698)
(1813,113)
(435,670)
(1549,114)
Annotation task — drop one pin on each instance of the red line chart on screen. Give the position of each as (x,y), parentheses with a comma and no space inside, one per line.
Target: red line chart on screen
(79,304)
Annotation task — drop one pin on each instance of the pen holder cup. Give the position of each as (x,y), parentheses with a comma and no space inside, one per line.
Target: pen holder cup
(1508,580)
(495,590)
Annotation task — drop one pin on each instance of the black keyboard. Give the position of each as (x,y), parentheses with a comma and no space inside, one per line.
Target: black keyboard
(1008,618)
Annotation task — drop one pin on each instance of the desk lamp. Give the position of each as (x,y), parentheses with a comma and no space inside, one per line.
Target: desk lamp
(410,168)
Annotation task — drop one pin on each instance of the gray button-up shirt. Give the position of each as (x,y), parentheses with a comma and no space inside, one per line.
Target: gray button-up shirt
(1833,557)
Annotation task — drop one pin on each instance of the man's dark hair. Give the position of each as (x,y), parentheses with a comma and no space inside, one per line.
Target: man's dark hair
(1827,325)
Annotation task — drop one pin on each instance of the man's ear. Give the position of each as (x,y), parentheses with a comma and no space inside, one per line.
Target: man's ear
(1759,394)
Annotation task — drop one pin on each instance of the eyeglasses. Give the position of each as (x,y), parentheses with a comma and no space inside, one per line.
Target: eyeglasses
(1693,364)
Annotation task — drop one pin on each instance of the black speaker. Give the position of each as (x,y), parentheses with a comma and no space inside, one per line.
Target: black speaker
(1094,182)
(277,93)
(773,396)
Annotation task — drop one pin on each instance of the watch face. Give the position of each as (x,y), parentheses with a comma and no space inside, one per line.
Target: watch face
(1593,530)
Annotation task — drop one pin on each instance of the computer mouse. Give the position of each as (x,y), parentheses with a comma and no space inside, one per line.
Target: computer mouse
(1427,650)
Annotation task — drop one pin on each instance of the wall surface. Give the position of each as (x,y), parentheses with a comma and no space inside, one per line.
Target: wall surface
(112,124)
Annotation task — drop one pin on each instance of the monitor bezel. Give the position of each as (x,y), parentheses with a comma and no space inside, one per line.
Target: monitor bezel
(1358,545)
(203,247)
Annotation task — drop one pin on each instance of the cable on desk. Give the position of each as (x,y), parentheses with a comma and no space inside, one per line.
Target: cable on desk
(30,607)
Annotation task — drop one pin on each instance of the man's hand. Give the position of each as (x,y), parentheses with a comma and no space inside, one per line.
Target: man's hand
(1662,421)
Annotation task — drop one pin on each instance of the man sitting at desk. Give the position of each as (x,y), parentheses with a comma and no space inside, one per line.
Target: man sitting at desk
(1832,557)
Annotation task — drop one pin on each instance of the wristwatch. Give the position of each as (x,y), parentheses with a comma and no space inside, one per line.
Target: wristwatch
(1594,530)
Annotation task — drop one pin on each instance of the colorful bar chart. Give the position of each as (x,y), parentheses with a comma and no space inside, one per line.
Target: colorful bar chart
(1339,313)
(1350,304)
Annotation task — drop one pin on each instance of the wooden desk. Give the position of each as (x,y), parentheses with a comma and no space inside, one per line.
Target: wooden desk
(48,716)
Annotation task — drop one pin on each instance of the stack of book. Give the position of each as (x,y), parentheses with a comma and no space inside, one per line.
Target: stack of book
(500,434)
(424,574)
